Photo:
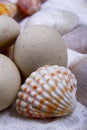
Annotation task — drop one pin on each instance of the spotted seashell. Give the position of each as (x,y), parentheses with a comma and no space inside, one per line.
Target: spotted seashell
(50,91)
(7,8)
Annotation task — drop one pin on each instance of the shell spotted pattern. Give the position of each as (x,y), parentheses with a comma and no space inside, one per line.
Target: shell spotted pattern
(48,92)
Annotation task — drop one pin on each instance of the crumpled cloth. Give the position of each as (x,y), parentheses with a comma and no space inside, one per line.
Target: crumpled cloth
(11,120)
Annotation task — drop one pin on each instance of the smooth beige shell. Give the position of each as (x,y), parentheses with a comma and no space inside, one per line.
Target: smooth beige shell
(9,30)
(79,68)
(50,91)
(77,39)
(38,46)
(10,82)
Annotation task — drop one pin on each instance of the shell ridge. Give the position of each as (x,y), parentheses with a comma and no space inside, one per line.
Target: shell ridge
(48,92)
(68,92)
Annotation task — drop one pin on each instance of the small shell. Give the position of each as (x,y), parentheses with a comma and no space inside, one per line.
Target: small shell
(7,8)
(77,39)
(29,6)
(79,68)
(63,21)
(48,92)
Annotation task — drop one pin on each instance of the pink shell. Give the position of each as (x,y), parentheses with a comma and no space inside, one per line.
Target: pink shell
(29,6)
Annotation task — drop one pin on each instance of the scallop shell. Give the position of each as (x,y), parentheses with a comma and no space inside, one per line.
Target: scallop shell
(63,21)
(48,92)
(79,68)
(7,8)
(77,39)
(29,6)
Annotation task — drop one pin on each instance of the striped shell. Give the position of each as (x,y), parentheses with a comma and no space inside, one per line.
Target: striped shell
(7,8)
(48,92)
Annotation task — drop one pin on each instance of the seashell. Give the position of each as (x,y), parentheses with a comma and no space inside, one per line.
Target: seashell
(78,7)
(13,1)
(8,8)
(63,21)
(72,56)
(77,39)
(79,67)
(48,92)
(29,6)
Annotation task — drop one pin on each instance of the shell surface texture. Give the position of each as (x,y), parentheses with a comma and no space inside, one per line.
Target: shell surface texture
(8,8)
(63,21)
(77,39)
(50,91)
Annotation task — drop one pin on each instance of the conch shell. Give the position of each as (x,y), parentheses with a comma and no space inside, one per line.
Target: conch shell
(50,91)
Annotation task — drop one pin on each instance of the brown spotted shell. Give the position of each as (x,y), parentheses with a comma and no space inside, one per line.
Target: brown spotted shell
(50,91)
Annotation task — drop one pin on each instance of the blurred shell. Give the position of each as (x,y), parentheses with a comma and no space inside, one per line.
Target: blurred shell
(29,6)
(79,7)
(7,8)
(13,1)
(63,21)
(77,39)
(48,92)
(79,68)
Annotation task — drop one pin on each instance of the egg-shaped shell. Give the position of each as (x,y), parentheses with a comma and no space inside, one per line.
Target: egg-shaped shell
(9,30)
(10,82)
(38,46)
(50,91)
